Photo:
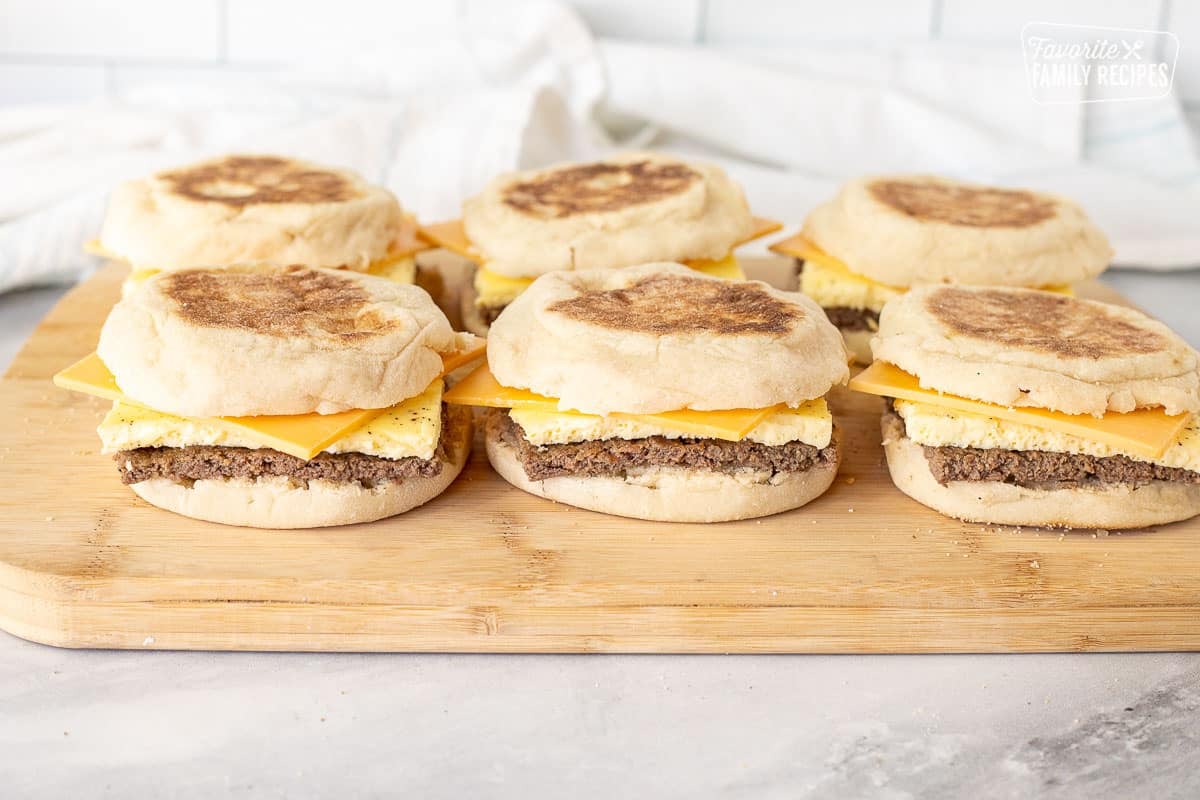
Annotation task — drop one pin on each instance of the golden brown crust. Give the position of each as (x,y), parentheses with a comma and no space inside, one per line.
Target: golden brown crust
(667,304)
(602,186)
(973,206)
(293,301)
(251,180)
(1061,326)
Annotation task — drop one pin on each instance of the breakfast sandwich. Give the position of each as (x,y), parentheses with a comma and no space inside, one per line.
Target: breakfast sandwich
(257,209)
(632,209)
(1022,407)
(882,235)
(279,397)
(661,393)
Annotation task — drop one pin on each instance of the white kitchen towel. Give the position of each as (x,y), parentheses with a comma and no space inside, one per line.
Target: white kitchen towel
(793,124)
(497,86)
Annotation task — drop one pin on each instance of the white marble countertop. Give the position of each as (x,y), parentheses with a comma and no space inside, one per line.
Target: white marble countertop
(144,724)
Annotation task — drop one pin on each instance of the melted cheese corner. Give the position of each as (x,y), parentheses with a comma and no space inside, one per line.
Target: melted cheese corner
(727,268)
(401,268)
(810,423)
(942,427)
(410,429)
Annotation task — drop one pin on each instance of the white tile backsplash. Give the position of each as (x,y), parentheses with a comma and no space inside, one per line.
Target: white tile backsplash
(129,30)
(771,22)
(65,50)
(675,21)
(279,30)
(1002,20)
(284,31)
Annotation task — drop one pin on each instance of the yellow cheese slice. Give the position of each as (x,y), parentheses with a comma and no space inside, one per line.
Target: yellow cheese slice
(481,388)
(727,268)
(810,423)
(400,270)
(944,427)
(300,435)
(800,246)
(408,430)
(1145,431)
(450,235)
(832,287)
(493,290)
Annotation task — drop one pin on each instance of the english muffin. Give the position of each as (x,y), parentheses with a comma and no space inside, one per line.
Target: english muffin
(1022,407)
(883,235)
(619,212)
(659,393)
(282,397)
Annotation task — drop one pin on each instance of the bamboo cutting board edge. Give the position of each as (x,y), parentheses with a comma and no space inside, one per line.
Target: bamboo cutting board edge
(535,577)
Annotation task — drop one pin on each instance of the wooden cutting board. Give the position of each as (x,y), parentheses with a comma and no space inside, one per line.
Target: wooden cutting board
(485,567)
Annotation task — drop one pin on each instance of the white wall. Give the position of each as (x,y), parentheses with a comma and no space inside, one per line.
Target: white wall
(63,50)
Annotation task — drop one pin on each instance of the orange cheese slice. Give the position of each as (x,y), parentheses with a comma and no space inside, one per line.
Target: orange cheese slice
(800,246)
(1146,431)
(481,388)
(452,361)
(761,227)
(299,435)
(450,235)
